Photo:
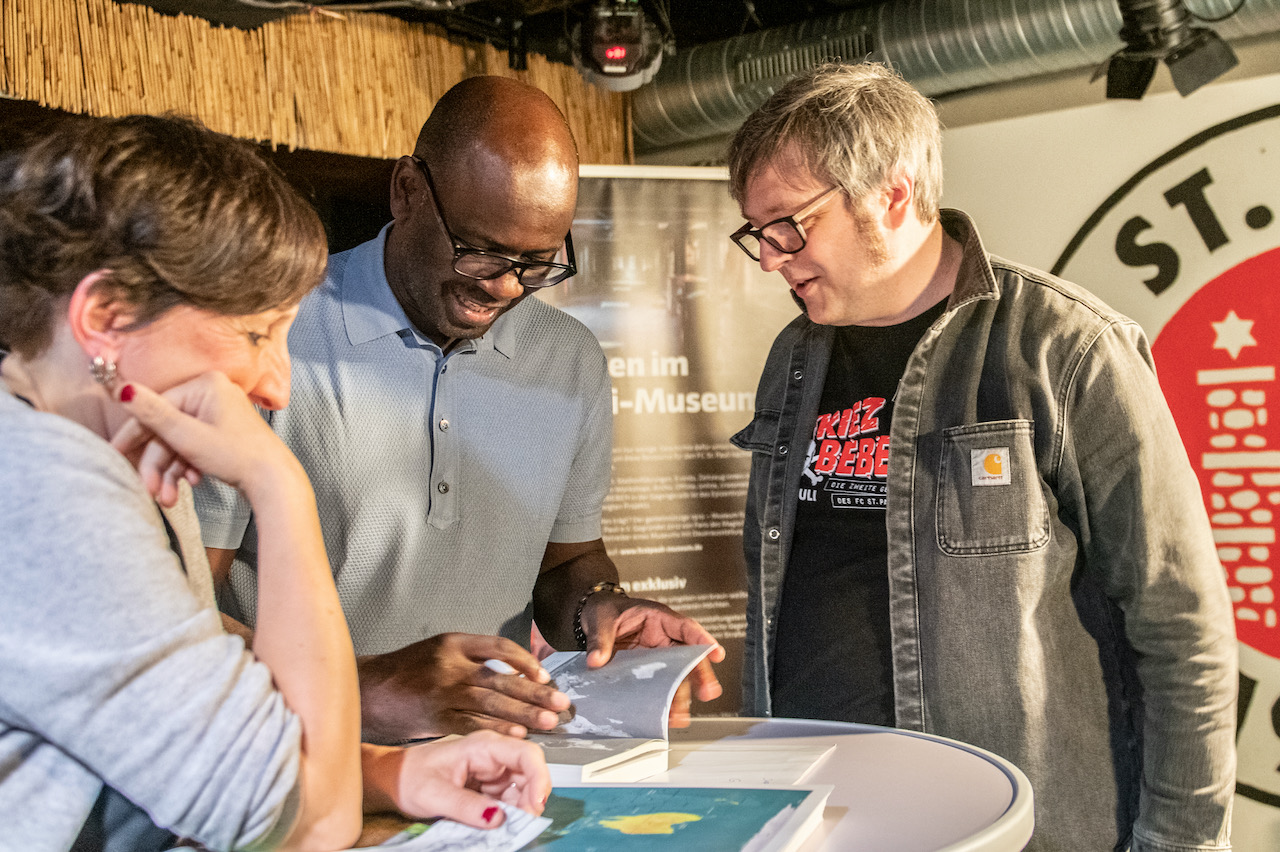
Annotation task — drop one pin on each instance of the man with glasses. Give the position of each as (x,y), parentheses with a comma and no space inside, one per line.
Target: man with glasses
(969,510)
(458,435)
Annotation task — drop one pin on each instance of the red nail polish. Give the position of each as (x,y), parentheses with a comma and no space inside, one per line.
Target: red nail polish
(490,812)
(126,393)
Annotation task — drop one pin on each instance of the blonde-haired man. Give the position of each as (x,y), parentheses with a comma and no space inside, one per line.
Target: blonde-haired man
(970,512)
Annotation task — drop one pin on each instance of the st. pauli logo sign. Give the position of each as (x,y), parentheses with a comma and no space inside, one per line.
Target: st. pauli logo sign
(1190,248)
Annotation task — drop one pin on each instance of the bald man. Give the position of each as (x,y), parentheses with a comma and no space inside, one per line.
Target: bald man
(459,436)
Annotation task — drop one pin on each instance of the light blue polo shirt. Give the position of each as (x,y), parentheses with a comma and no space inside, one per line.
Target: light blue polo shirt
(439,479)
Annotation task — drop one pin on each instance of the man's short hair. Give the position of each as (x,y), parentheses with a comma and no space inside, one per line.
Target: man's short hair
(854,125)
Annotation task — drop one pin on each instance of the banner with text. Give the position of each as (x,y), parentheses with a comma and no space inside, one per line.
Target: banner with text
(685,320)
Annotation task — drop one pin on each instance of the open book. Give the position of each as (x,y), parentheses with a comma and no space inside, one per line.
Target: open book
(629,816)
(616,730)
(749,819)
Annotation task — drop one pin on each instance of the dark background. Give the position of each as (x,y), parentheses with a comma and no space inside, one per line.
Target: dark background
(545,25)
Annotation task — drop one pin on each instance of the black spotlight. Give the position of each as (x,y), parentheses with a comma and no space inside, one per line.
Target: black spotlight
(616,47)
(1156,30)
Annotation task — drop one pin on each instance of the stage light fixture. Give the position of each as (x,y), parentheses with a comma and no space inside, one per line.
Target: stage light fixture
(1161,30)
(616,46)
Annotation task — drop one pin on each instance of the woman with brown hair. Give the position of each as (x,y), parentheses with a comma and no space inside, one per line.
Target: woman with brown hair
(149,272)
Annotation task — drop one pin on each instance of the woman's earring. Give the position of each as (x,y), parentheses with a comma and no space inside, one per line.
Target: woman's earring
(104,372)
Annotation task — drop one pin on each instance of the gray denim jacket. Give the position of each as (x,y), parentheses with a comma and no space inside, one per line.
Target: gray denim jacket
(1075,619)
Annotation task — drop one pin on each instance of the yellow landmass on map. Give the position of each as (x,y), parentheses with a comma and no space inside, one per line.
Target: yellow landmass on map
(648,823)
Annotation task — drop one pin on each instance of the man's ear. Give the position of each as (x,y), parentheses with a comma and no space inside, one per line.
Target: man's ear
(408,188)
(96,317)
(899,198)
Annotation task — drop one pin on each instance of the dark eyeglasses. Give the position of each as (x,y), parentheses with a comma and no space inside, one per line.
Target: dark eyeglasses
(484,265)
(785,234)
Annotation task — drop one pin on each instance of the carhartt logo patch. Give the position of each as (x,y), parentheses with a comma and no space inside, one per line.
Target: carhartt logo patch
(991,467)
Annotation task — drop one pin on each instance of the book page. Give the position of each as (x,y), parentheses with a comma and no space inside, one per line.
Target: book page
(519,828)
(746,762)
(630,696)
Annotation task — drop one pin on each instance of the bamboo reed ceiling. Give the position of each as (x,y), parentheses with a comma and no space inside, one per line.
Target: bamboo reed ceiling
(357,84)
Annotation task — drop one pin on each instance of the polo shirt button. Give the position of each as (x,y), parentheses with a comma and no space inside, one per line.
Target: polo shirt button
(798,375)
(444,425)
(774,534)
(443,488)
(782,450)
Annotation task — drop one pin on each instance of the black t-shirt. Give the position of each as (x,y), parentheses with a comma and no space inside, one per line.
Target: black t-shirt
(833,654)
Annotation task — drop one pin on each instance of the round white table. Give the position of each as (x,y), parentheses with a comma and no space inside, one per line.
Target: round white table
(893,789)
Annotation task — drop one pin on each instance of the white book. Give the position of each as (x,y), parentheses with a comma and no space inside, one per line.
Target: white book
(589,760)
(751,763)
(715,819)
(722,818)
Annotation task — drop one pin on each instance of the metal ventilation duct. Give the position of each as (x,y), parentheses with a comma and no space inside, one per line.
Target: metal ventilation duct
(939,45)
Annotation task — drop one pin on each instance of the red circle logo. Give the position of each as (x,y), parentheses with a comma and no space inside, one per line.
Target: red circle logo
(1217,359)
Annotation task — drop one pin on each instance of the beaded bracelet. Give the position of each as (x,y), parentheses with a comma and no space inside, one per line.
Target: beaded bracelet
(603,586)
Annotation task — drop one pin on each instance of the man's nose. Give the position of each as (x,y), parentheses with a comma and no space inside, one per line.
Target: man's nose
(505,288)
(771,259)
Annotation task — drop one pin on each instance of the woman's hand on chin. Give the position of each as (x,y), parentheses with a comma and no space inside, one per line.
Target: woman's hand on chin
(203,426)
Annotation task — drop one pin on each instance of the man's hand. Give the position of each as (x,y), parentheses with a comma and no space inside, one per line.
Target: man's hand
(613,622)
(442,686)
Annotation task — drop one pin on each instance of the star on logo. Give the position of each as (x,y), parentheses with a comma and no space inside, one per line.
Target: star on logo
(1234,334)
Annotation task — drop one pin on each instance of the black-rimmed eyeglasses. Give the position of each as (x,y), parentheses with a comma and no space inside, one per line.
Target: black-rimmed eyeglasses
(483,265)
(785,234)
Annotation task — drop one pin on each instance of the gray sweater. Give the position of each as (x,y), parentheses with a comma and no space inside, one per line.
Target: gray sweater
(112,670)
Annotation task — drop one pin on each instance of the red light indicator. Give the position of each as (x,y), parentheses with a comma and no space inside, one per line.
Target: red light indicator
(617,52)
